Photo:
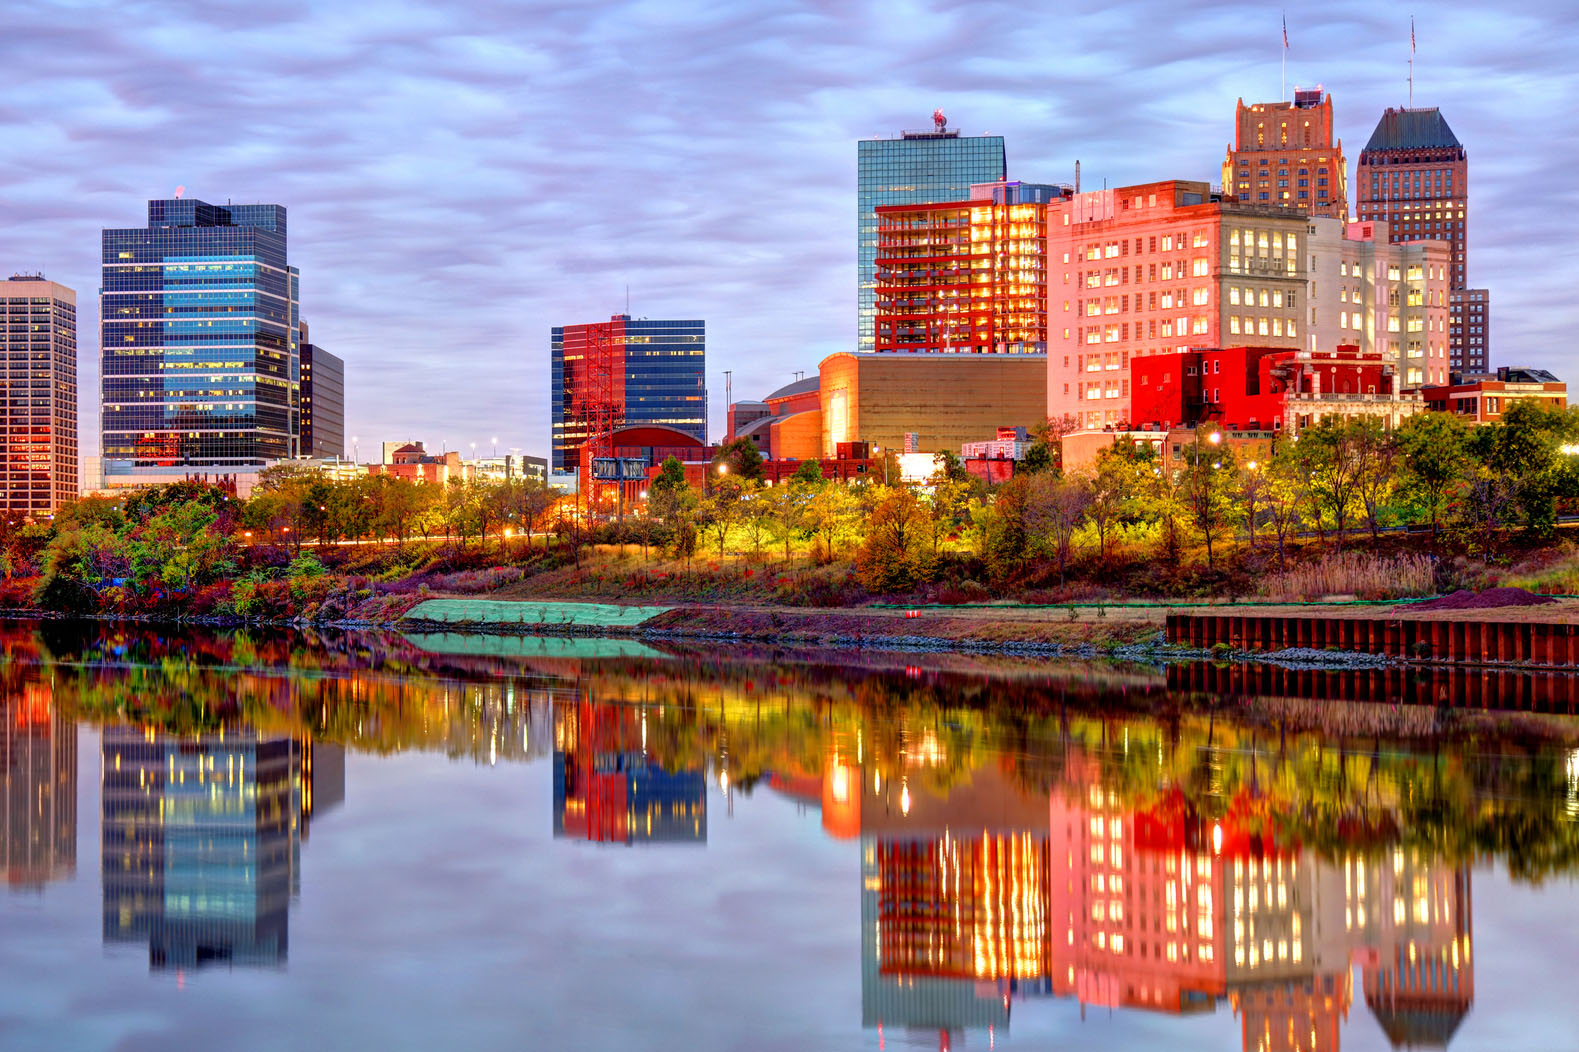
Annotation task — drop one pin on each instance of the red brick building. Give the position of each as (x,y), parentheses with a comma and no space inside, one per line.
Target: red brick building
(1265,388)
(1284,153)
(1484,400)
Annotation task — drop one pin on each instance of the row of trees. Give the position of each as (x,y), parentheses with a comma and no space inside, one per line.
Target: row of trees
(1338,480)
(1334,479)
(294,504)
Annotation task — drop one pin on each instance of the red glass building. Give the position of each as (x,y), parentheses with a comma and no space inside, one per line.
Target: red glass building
(624,372)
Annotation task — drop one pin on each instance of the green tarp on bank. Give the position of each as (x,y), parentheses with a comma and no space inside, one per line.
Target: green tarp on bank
(585,647)
(506,612)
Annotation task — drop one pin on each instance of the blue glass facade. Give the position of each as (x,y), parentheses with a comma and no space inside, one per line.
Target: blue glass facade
(662,379)
(200,355)
(917,168)
(200,843)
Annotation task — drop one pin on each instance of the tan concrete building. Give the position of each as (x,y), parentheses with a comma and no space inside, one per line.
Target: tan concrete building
(1379,295)
(944,400)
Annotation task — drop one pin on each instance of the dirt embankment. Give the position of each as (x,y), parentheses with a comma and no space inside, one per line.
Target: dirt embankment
(979,626)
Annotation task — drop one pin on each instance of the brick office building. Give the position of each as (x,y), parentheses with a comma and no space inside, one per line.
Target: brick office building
(1267,388)
(1284,153)
(1414,175)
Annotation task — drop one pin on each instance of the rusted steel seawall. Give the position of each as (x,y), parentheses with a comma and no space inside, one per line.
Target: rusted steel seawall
(1528,643)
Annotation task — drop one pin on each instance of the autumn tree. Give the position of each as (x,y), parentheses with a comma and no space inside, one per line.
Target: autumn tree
(1208,482)
(1055,508)
(896,553)
(1376,451)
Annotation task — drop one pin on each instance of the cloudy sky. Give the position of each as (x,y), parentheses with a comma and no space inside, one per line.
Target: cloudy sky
(463,175)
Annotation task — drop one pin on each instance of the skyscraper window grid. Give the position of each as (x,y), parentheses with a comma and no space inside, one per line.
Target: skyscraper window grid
(660,378)
(199,314)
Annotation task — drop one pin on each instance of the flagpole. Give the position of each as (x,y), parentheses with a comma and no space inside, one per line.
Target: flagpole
(1284,96)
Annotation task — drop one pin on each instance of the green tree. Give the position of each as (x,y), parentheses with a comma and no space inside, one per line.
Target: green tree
(669,495)
(1434,461)
(1331,454)
(808,471)
(1208,482)
(740,458)
(1525,448)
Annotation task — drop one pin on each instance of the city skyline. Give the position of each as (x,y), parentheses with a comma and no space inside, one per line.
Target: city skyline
(508,186)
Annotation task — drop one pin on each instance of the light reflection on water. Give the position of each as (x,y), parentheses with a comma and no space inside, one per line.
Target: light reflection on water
(347,839)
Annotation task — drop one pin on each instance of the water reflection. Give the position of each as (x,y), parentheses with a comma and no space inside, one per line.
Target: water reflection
(202,840)
(609,788)
(1022,834)
(38,796)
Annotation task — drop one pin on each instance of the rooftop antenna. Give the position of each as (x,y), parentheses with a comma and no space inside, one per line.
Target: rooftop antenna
(627,297)
(1077,176)
(179,191)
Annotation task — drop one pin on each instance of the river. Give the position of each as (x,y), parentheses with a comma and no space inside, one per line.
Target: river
(261,840)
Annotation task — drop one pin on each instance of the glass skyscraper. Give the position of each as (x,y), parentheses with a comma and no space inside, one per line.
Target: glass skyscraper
(917,168)
(199,313)
(657,376)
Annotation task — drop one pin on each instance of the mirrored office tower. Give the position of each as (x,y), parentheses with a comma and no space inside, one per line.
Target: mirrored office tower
(199,338)
(918,168)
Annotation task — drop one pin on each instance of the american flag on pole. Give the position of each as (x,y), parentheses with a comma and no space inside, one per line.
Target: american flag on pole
(1285,31)
(1411,34)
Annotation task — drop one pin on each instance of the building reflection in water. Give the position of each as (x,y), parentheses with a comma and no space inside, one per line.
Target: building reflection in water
(1164,910)
(202,837)
(953,896)
(983,892)
(608,786)
(38,789)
